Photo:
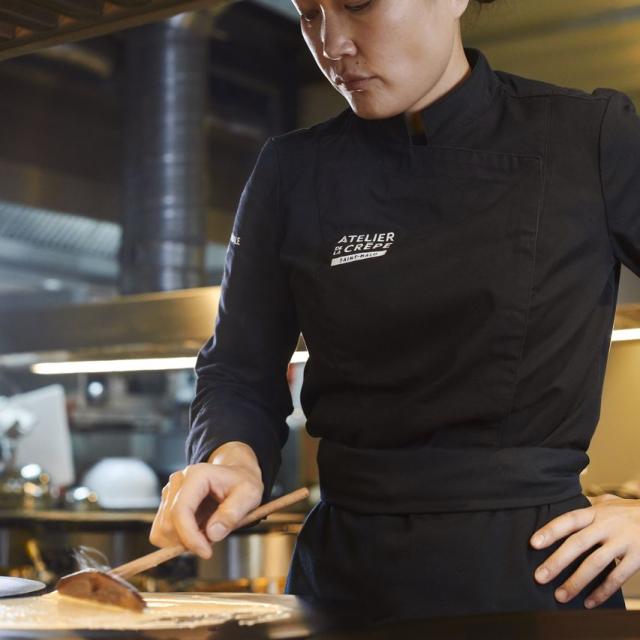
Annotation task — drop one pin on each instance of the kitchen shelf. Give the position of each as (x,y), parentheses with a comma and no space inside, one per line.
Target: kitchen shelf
(61,516)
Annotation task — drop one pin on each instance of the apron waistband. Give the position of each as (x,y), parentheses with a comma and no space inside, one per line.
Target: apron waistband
(423,478)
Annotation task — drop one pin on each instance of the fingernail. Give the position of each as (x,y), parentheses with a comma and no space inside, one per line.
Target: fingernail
(561,595)
(538,540)
(589,604)
(217,531)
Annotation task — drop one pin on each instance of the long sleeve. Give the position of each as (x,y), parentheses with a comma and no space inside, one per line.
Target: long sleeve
(620,175)
(242,391)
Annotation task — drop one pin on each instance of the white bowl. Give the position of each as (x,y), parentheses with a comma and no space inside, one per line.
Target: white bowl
(123,483)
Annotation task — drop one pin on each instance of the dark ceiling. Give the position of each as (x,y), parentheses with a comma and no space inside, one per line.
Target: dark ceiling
(29,25)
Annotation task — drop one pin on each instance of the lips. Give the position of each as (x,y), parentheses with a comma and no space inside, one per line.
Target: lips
(353,82)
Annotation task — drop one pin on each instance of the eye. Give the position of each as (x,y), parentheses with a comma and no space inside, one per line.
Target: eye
(308,17)
(354,8)
(358,7)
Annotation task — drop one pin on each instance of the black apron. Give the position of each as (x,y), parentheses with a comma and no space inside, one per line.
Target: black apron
(418,565)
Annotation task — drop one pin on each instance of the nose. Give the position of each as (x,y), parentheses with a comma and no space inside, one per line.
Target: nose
(336,40)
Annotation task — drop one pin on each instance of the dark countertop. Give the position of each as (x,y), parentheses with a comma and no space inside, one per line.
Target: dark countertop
(331,621)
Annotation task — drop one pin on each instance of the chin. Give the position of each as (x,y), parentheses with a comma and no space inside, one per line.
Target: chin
(367,111)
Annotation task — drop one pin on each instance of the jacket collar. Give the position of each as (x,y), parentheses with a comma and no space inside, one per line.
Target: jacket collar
(463,104)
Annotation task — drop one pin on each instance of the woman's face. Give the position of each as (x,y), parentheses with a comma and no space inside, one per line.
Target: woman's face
(404,47)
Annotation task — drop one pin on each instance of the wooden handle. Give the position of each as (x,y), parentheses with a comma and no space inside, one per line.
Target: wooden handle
(155,558)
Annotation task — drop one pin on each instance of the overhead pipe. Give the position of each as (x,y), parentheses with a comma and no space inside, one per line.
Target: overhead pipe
(165,194)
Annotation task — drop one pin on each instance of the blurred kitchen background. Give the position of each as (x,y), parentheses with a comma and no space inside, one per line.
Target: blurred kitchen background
(129,129)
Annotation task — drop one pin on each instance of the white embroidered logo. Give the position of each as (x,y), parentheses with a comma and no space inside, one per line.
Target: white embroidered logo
(361,247)
(235,239)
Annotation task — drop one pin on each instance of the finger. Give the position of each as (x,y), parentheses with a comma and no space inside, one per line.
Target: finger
(566,553)
(562,526)
(205,510)
(162,532)
(605,497)
(182,513)
(593,565)
(623,571)
(154,534)
(242,498)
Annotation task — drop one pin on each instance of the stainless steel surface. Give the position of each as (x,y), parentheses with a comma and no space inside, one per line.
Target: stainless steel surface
(250,555)
(10,586)
(28,488)
(15,423)
(81,499)
(60,257)
(253,559)
(175,323)
(58,243)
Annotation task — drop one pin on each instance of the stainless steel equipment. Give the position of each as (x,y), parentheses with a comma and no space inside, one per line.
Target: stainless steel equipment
(172,323)
(253,560)
(28,487)
(14,424)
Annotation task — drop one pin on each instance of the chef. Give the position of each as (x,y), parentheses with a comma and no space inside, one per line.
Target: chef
(449,245)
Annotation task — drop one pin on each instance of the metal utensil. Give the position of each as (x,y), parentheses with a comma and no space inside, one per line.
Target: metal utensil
(11,586)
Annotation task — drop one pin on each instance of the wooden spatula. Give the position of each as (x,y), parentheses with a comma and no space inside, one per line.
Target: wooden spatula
(111,587)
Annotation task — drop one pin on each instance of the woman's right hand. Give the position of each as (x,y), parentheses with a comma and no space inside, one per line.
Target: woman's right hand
(203,502)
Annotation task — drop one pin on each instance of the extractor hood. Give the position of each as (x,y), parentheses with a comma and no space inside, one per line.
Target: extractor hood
(150,325)
(156,315)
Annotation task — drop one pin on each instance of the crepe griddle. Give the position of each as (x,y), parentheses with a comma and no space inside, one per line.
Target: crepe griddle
(111,587)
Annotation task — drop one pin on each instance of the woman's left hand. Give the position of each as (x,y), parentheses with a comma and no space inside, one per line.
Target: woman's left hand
(610,521)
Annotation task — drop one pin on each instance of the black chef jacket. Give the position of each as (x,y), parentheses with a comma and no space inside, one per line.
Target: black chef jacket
(456,292)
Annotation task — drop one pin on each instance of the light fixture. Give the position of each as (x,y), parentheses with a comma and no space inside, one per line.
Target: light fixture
(131,364)
(113,366)
(621,335)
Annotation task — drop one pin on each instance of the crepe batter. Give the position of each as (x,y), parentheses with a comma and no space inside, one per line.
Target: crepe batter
(163,611)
